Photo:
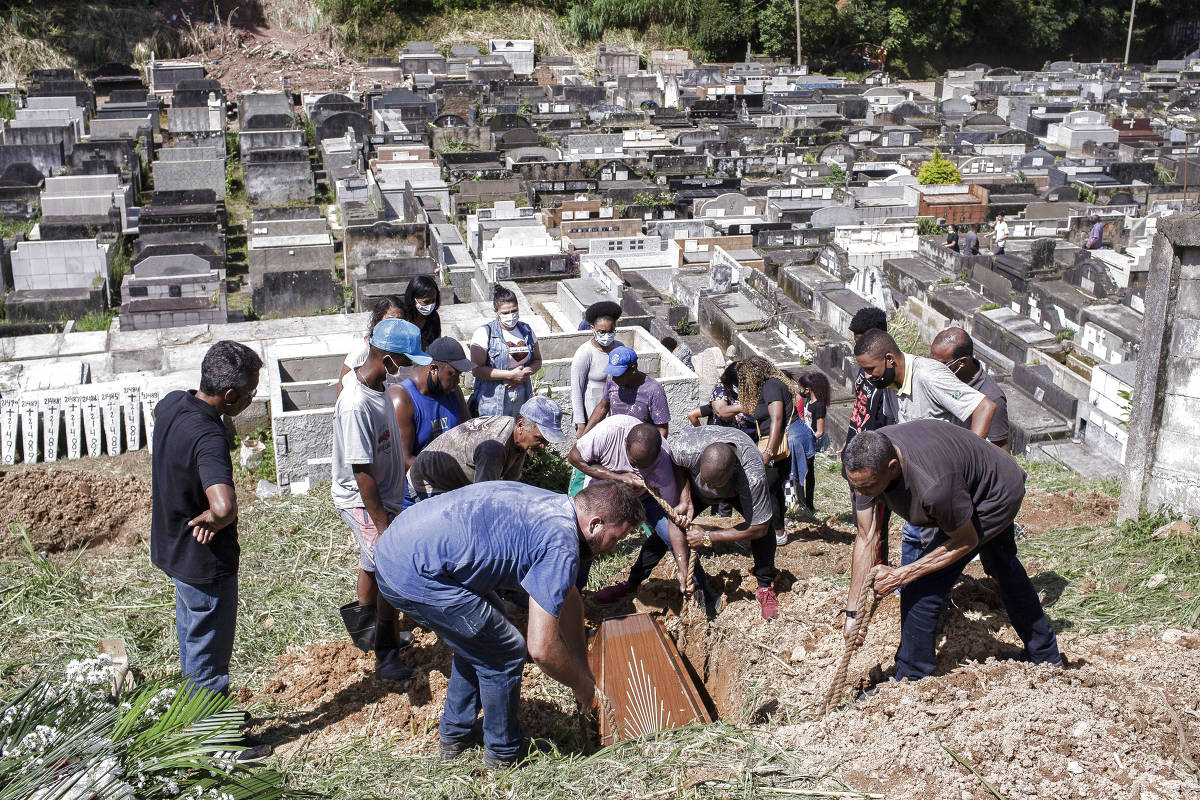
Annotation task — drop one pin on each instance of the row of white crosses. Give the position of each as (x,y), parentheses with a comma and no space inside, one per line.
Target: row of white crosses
(93,417)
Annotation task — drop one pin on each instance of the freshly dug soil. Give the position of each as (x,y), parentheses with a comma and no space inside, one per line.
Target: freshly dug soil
(65,509)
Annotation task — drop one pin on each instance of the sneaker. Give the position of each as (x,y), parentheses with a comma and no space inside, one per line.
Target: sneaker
(448,751)
(1023,656)
(389,667)
(709,599)
(780,539)
(255,751)
(612,594)
(404,639)
(767,602)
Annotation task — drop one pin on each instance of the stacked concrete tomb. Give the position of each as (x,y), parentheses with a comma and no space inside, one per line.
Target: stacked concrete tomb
(290,252)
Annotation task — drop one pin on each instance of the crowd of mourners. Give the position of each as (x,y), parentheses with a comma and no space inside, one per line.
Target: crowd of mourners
(426,476)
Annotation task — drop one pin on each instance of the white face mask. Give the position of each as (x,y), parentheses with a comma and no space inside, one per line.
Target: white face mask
(605,339)
(425,311)
(509,320)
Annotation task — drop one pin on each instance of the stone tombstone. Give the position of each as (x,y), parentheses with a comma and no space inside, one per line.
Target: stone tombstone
(111,404)
(51,415)
(131,400)
(29,430)
(1041,254)
(720,272)
(834,216)
(92,429)
(10,416)
(73,422)
(150,398)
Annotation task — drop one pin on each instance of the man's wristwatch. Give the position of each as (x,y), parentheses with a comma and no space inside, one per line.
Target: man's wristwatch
(849,614)
(707,539)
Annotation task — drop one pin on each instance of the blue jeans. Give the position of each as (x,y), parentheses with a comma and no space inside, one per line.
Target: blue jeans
(923,602)
(205,618)
(485,673)
(803,446)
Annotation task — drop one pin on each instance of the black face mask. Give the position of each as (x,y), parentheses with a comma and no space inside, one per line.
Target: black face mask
(886,379)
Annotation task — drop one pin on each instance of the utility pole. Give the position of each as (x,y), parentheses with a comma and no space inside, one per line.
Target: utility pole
(1129,36)
(799,60)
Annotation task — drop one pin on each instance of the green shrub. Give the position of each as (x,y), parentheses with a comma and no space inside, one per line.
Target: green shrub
(938,170)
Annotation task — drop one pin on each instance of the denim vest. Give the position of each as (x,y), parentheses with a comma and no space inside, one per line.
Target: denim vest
(494,399)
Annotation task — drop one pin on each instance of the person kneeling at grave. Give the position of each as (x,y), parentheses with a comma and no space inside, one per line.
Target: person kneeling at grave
(485,449)
(442,562)
(965,493)
(623,449)
(724,464)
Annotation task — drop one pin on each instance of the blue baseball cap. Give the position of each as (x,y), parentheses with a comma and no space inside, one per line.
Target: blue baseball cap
(400,338)
(546,414)
(620,359)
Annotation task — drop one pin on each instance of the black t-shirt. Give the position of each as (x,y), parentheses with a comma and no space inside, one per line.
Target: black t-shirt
(951,477)
(774,390)
(191,454)
(815,410)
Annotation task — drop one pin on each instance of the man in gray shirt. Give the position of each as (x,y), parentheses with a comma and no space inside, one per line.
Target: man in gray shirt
(724,464)
(965,495)
(924,388)
(954,348)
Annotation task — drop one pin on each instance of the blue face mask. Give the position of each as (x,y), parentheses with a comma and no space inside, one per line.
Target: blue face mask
(605,339)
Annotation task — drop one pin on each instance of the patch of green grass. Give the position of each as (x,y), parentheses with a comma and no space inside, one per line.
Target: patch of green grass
(266,468)
(906,334)
(11,227)
(1054,478)
(95,321)
(718,760)
(1108,575)
(547,469)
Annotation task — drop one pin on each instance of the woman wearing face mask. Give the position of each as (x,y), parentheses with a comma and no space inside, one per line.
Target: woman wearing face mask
(421,302)
(506,355)
(389,307)
(587,367)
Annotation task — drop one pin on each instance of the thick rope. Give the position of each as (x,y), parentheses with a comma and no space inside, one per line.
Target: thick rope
(610,717)
(841,682)
(693,556)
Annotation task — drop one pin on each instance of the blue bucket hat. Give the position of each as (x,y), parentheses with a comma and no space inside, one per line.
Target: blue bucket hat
(400,338)
(620,360)
(546,414)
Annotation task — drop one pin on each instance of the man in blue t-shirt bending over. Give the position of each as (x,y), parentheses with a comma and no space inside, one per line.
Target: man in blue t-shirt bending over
(441,562)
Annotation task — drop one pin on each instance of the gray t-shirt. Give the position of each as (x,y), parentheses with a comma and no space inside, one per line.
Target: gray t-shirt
(587,380)
(480,449)
(930,391)
(750,485)
(982,382)
(951,477)
(365,431)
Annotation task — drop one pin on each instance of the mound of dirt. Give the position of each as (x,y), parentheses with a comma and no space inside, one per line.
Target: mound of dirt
(1043,512)
(65,509)
(1120,722)
(328,692)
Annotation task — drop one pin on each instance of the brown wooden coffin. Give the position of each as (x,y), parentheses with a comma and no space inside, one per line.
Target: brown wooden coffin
(647,683)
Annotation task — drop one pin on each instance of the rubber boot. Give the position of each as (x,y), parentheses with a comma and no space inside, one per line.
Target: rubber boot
(388,666)
(360,624)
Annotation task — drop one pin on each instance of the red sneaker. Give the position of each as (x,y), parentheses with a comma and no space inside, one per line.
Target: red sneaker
(767,602)
(612,594)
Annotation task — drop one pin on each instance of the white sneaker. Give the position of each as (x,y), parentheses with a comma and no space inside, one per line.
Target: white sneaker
(780,539)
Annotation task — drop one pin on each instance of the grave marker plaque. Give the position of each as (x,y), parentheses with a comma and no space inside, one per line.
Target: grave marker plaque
(9,416)
(150,398)
(29,430)
(51,413)
(131,405)
(111,403)
(92,428)
(73,424)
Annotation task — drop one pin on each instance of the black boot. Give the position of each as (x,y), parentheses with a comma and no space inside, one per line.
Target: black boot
(360,624)
(388,666)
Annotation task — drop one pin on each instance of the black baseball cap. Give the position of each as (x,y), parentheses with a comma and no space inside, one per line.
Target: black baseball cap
(449,351)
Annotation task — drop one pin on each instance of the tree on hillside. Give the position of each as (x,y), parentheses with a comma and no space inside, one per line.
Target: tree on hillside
(938,170)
